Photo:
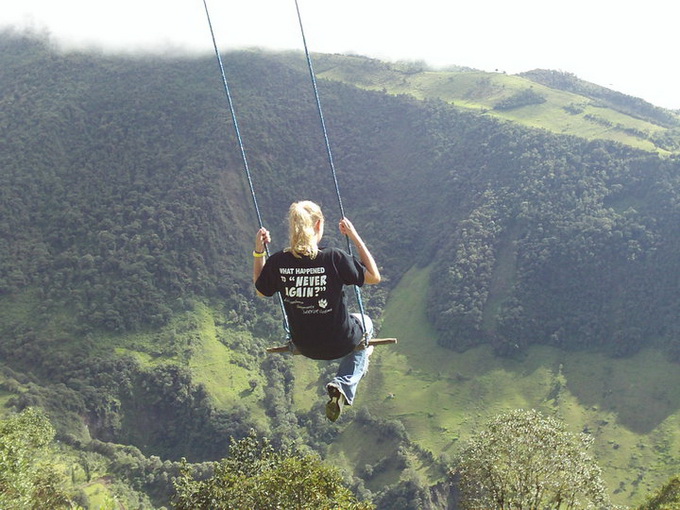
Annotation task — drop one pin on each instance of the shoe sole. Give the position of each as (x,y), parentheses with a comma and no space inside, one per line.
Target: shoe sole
(334,405)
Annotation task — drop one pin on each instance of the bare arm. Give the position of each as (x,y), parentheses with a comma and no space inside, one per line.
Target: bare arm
(261,240)
(372,275)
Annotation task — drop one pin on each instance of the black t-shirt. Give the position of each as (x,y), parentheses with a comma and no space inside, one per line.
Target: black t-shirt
(314,299)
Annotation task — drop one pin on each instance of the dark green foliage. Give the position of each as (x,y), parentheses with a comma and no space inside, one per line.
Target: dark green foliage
(161,410)
(523,460)
(522,98)
(169,416)
(26,480)
(406,495)
(254,475)
(665,498)
(124,212)
(149,475)
(560,249)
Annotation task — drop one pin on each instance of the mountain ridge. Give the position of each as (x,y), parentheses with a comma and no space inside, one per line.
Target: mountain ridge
(579,111)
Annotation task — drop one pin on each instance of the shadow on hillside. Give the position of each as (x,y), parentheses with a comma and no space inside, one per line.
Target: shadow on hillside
(640,390)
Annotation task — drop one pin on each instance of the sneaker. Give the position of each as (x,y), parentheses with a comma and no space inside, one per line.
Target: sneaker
(334,405)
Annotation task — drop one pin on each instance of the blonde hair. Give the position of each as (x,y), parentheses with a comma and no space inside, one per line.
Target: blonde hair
(302,217)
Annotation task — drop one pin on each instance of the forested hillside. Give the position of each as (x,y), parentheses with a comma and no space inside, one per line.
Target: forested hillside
(122,195)
(566,243)
(126,228)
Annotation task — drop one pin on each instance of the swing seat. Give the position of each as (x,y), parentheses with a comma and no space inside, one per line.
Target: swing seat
(287,347)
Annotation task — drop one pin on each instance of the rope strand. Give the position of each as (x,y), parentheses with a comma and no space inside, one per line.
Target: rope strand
(329,153)
(312,76)
(242,148)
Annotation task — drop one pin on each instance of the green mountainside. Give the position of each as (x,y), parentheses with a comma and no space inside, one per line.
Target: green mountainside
(556,101)
(524,267)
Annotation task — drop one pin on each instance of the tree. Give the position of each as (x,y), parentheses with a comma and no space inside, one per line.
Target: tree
(26,483)
(524,97)
(255,476)
(523,460)
(666,498)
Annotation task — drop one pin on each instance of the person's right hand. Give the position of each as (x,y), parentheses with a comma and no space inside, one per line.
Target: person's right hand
(262,239)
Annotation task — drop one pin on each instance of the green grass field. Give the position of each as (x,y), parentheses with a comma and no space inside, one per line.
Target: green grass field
(630,406)
(481,91)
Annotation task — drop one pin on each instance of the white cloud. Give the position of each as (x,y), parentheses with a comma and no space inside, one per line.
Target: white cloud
(621,45)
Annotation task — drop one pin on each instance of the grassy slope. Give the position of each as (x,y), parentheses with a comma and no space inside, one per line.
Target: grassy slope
(200,339)
(480,91)
(209,361)
(629,405)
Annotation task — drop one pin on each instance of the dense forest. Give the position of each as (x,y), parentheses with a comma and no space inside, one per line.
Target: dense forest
(567,243)
(125,210)
(123,201)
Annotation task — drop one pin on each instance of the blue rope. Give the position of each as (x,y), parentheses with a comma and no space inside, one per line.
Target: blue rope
(242,149)
(329,153)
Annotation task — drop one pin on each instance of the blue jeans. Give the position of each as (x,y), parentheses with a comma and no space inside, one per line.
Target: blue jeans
(353,366)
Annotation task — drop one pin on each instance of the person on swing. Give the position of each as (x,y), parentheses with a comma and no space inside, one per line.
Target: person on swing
(311,280)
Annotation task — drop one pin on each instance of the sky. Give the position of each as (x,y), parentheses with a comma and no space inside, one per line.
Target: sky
(630,47)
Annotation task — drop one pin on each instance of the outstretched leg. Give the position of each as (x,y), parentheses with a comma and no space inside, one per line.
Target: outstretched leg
(342,389)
